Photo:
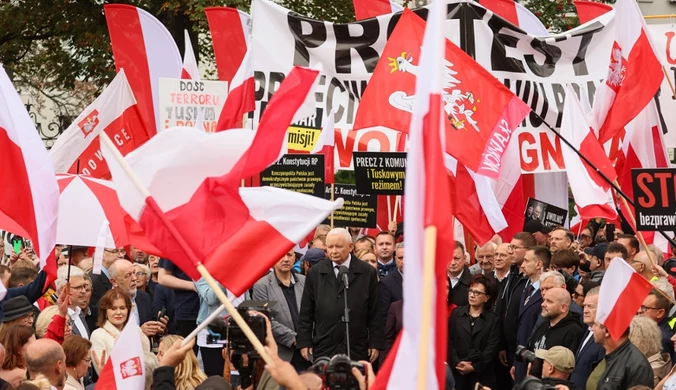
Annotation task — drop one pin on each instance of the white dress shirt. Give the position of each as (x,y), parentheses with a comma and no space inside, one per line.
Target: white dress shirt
(346,263)
(74,315)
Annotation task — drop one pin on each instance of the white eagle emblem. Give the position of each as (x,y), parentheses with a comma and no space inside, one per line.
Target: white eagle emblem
(616,68)
(456,103)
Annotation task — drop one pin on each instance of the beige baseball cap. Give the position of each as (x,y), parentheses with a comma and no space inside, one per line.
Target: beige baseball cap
(559,357)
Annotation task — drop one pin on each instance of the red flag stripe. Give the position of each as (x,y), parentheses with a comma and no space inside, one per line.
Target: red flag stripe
(229,40)
(365,9)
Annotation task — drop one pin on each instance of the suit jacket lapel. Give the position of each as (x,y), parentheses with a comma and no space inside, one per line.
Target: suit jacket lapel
(534,299)
(279,295)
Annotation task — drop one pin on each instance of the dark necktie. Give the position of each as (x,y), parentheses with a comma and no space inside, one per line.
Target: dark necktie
(529,291)
(337,267)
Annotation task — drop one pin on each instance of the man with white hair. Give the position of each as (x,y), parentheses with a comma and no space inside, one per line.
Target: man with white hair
(78,295)
(485,259)
(123,277)
(321,328)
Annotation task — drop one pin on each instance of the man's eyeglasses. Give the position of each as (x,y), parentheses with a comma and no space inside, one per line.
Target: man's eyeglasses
(646,308)
(79,288)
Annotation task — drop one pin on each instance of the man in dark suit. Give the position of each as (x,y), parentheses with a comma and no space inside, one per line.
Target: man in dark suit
(321,330)
(101,282)
(460,275)
(78,296)
(391,286)
(530,302)
(589,353)
(284,290)
(123,277)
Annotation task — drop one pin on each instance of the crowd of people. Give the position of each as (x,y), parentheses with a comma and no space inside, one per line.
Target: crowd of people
(518,309)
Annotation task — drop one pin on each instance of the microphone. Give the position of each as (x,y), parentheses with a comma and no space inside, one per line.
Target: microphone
(343,274)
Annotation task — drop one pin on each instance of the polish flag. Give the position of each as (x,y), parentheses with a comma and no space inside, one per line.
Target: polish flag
(143,47)
(590,10)
(190,69)
(241,98)
(230,32)
(509,191)
(427,195)
(124,368)
(326,146)
(591,192)
(210,167)
(634,73)
(476,207)
(366,9)
(29,201)
(516,14)
(643,147)
(114,111)
(623,291)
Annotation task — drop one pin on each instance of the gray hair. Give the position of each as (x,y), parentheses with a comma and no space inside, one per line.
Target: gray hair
(151,363)
(558,277)
(113,267)
(489,244)
(144,267)
(645,335)
(399,245)
(342,232)
(62,275)
(663,285)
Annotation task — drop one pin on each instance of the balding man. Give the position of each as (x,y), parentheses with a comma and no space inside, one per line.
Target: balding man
(123,277)
(485,258)
(46,357)
(561,326)
(643,265)
(321,328)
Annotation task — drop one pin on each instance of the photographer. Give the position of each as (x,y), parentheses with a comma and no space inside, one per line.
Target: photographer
(557,365)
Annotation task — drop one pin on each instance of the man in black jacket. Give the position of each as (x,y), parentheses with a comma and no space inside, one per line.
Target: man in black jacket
(391,286)
(101,282)
(589,352)
(321,330)
(624,366)
(460,275)
(560,328)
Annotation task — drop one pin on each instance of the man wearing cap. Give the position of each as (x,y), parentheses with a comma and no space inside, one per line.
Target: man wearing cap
(557,364)
(310,258)
(285,288)
(539,231)
(17,310)
(597,256)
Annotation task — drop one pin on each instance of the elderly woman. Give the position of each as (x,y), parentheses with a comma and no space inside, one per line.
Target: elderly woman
(187,375)
(142,277)
(647,337)
(15,339)
(78,359)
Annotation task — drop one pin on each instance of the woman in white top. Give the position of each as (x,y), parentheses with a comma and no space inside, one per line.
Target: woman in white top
(114,309)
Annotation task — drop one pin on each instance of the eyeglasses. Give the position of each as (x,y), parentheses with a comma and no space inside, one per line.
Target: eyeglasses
(87,360)
(646,308)
(576,295)
(139,274)
(514,247)
(584,236)
(476,292)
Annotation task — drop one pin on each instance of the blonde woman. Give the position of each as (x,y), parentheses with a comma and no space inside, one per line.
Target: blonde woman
(647,337)
(187,374)
(367,256)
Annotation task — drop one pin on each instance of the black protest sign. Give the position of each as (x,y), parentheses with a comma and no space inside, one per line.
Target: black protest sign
(546,213)
(295,172)
(380,173)
(654,198)
(359,210)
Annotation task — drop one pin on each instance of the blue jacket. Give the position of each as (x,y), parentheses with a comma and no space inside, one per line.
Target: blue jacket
(586,358)
(33,291)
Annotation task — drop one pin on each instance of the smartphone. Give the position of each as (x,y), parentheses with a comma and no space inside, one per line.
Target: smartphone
(610,232)
(17,246)
(162,313)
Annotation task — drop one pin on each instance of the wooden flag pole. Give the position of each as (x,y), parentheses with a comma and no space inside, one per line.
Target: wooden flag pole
(332,196)
(153,206)
(671,85)
(430,254)
(397,199)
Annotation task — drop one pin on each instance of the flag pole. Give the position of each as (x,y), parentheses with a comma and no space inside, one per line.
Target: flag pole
(671,85)
(397,199)
(332,196)
(584,158)
(176,235)
(426,320)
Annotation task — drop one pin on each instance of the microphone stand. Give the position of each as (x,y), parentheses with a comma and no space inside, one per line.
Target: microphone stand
(346,314)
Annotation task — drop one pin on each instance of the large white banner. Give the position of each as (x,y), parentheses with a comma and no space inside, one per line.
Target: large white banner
(535,69)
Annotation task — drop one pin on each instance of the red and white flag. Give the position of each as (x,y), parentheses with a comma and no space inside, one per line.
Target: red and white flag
(474,202)
(366,9)
(115,112)
(427,195)
(478,132)
(634,73)
(230,30)
(29,202)
(326,146)
(591,192)
(144,48)
(210,212)
(590,10)
(517,14)
(623,291)
(241,98)
(124,368)
(190,69)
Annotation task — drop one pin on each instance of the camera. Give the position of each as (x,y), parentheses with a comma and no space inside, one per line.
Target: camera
(336,373)
(525,355)
(533,383)
(227,331)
